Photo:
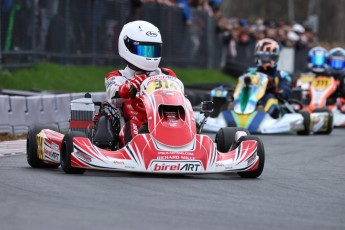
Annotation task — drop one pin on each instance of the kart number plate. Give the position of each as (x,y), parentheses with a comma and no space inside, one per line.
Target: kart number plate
(158,84)
(321,83)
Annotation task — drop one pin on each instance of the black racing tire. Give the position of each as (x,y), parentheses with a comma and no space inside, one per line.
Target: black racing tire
(31,146)
(144,129)
(225,137)
(306,123)
(330,120)
(260,152)
(66,150)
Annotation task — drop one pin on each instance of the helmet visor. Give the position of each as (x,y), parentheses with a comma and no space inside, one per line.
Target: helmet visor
(144,49)
(266,58)
(337,63)
(318,59)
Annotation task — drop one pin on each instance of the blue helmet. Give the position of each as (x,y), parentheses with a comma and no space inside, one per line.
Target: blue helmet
(317,59)
(336,60)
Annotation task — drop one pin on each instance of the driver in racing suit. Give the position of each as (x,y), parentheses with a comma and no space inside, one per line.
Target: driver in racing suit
(336,65)
(279,85)
(140,46)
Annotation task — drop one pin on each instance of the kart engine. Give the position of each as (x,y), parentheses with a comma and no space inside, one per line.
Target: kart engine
(102,128)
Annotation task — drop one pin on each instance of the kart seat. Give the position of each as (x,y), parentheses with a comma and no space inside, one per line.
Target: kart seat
(144,129)
(104,136)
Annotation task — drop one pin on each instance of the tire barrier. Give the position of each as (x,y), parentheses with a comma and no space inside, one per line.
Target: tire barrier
(18,113)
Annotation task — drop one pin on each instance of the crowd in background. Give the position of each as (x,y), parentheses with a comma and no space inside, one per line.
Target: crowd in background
(92,27)
(241,30)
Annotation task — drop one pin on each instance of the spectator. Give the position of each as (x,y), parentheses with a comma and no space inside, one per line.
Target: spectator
(271,30)
(299,30)
(310,37)
(292,39)
(187,13)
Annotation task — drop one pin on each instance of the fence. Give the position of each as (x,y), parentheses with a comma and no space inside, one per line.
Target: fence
(86,32)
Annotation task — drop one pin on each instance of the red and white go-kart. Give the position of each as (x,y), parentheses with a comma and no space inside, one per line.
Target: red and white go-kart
(170,143)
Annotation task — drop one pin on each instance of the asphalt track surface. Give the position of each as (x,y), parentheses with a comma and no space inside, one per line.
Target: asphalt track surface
(302,187)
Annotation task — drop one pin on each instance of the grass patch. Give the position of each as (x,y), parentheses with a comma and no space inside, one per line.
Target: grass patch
(68,78)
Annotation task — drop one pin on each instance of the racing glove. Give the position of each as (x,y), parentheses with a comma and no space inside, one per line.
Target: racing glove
(137,80)
(124,90)
(272,88)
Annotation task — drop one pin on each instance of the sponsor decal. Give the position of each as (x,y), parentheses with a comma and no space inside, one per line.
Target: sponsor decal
(278,128)
(175,153)
(174,157)
(219,165)
(251,160)
(119,162)
(128,166)
(51,154)
(228,167)
(55,146)
(170,155)
(83,156)
(110,81)
(176,166)
(151,34)
(297,125)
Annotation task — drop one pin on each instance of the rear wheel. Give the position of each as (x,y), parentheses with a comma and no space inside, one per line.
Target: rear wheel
(306,123)
(261,154)
(31,146)
(330,120)
(225,137)
(66,150)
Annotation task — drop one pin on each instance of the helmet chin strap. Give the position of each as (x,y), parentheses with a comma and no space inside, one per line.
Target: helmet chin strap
(136,69)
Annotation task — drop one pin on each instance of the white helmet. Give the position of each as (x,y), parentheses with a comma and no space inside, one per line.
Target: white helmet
(140,44)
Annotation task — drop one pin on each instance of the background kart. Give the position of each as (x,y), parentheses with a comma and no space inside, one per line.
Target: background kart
(245,110)
(169,143)
(317,95)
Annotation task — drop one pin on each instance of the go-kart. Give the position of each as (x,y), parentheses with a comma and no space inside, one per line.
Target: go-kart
(317,94)
(243,109)
(171,142)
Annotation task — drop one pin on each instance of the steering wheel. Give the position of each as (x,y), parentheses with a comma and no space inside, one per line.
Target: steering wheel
(136,102)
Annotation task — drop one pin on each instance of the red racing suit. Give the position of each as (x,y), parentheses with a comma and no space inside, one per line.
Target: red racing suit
(118,92)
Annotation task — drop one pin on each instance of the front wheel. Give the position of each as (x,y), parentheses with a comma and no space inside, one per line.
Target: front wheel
(31,146)
(225,138)
(66,150)
(329,128)
(261,154)
(306,123)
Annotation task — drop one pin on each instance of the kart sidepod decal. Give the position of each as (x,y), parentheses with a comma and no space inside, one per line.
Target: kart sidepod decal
(250,122)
